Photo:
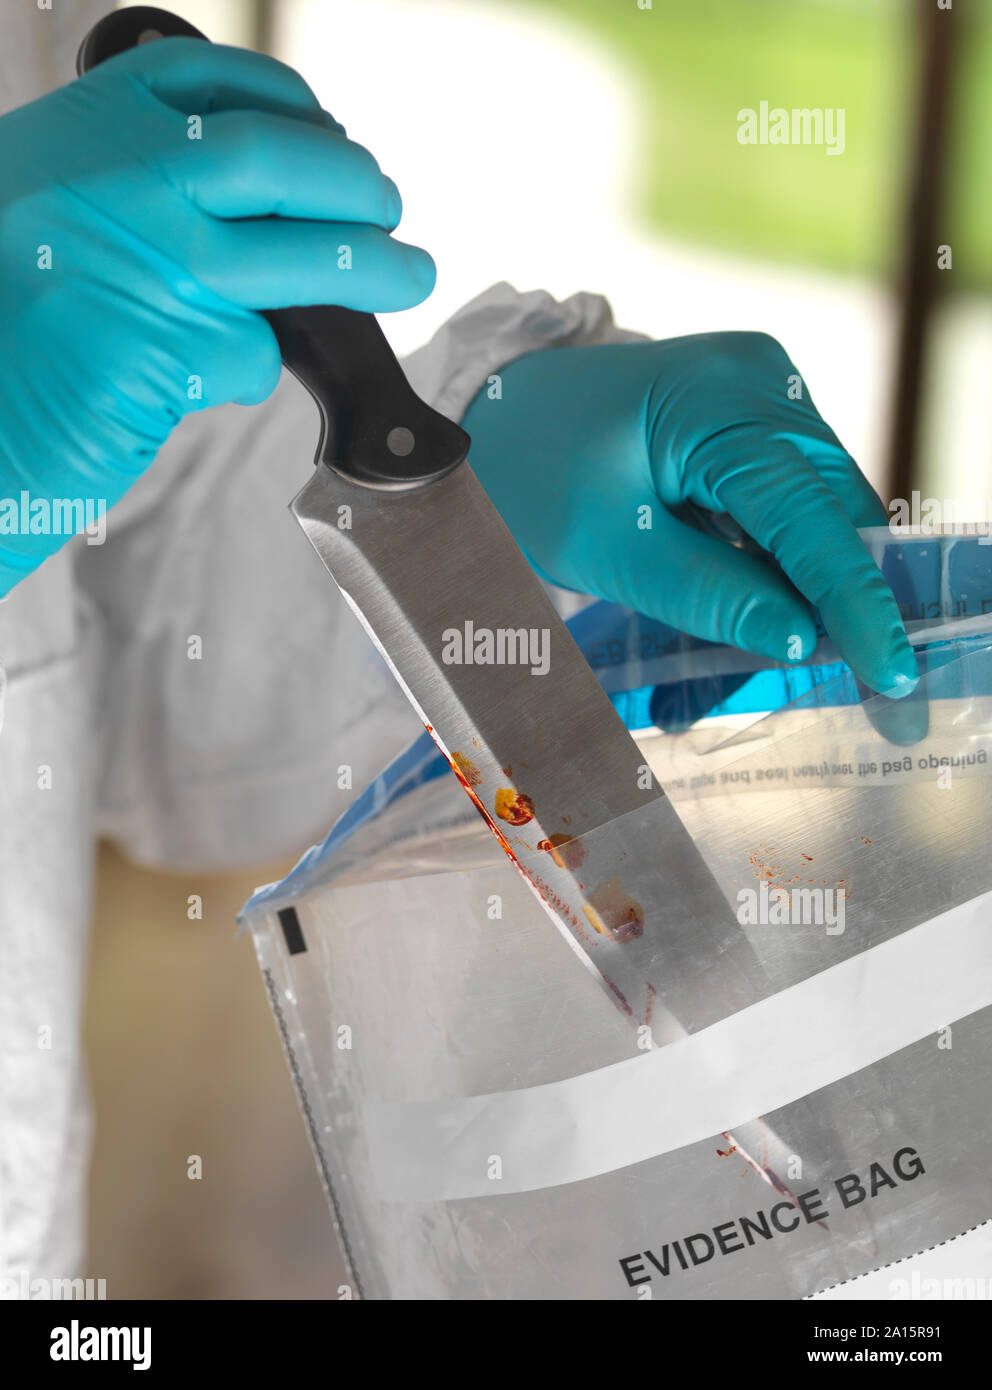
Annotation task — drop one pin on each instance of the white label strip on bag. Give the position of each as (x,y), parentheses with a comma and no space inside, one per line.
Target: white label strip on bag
(750,1064)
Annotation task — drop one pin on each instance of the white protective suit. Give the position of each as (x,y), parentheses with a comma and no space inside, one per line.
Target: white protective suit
(212,763)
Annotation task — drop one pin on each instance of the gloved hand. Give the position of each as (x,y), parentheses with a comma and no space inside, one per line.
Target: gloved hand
(590,446)
(132,259)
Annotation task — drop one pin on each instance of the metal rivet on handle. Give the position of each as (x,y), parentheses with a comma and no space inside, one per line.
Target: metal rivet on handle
(400,441)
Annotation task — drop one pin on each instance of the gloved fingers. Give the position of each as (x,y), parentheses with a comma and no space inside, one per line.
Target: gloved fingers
(902,722)
(225,353)
(711,388)
(256,164)
(842,475)
(334,125)
(273,263)
(196,78)
(244,365)
(784,504)
(798,422)
(701,585)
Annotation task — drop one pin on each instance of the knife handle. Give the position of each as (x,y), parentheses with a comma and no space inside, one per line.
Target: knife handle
(375,429)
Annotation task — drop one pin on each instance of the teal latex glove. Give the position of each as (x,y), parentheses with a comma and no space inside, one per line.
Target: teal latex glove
(589,444)
(161,249)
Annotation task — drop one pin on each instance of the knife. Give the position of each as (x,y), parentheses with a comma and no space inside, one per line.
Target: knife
(424,560)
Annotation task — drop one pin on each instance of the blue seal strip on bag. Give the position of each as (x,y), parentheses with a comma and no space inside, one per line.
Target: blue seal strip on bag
(663,679)
(660,678)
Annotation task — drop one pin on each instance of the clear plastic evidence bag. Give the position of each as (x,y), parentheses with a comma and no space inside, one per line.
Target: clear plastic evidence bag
(780,1107)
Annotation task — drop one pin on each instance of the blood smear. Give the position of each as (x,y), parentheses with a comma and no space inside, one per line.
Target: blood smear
(611,911)
(513,806)
(470,773)
(565,850)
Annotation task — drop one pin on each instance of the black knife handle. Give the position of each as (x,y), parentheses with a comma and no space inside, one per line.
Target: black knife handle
(125,29)
(375,429)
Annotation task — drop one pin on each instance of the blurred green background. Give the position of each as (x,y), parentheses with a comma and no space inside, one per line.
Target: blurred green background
(694,65)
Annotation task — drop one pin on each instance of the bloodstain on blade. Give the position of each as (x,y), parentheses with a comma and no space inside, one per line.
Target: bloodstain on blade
(565,850)
(467,785)
(525,807)
(470,774)
(613,912)
(514,807)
